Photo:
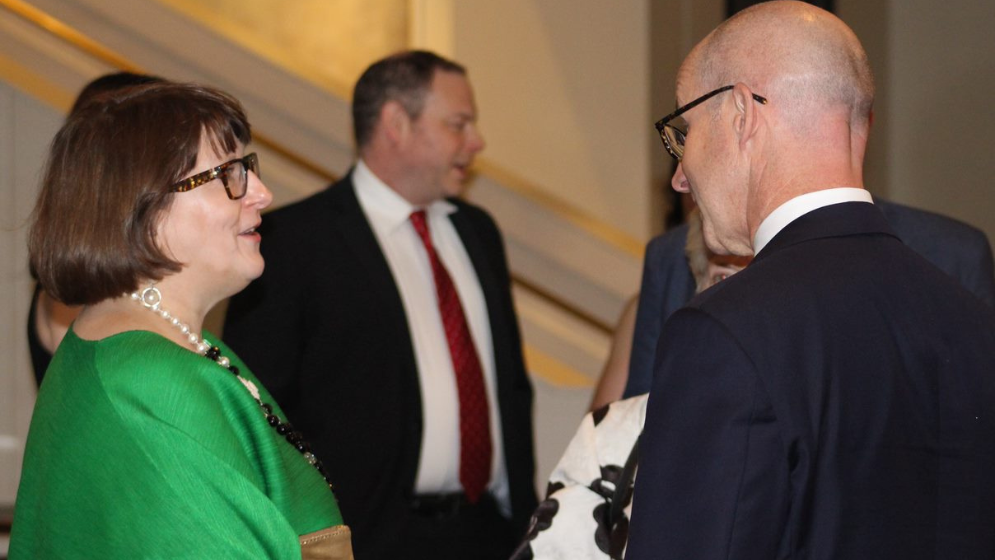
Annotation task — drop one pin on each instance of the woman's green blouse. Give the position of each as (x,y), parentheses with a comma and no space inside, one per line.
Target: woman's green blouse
(140,448)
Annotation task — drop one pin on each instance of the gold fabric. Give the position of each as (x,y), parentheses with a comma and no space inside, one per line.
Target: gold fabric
(333,543)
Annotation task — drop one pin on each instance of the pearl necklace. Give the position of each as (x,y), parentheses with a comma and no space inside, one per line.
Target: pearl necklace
(151,298)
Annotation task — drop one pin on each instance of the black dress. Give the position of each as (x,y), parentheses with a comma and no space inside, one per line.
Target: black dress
(40,357)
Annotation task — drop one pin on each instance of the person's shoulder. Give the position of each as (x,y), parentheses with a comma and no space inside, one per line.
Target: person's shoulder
(750,293)
(471,210)
(147,356)
(669,244)
(145,375)
(915,222)
(313,206)
(479,218)
(630,412)
(146,366)
(290,233)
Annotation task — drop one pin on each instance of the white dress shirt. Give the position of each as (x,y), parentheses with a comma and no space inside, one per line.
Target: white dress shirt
(388,214)
(801,205)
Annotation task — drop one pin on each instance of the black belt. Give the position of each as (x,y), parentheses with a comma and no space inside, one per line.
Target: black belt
(447,505)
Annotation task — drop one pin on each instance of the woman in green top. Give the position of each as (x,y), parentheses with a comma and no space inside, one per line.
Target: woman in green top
(150,439)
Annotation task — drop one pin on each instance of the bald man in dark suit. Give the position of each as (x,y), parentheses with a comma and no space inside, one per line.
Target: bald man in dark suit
(833,399)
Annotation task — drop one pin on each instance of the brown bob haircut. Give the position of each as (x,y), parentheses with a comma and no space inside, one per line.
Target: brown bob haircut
(107,185)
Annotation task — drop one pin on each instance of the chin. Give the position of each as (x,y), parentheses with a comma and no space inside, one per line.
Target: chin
(251,271)
(256,272)
(242,282)
(236,288)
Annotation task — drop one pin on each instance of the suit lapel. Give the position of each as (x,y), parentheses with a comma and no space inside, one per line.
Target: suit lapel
(478,253)
(346,217)
(494,297)
(353,231)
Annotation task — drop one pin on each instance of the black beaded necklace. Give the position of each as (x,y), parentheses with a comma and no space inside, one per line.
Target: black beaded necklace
(151,298)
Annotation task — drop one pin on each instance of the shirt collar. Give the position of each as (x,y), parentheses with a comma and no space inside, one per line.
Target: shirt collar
(801,205)
(384,204)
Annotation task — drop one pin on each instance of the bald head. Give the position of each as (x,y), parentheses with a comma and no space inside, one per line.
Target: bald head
(803,57)
(792,118)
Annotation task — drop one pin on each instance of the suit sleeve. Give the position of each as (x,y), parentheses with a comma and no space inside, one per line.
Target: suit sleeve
(516,408)
(666,285)
(712,480)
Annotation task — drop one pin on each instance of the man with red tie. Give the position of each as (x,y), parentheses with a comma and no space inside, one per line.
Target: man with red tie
(384,326)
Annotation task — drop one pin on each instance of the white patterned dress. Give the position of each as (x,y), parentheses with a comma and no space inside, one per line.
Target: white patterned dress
(576,521)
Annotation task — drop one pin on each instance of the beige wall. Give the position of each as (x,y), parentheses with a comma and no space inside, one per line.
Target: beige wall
(675,27)
(327,43)
(933,143)
(564,94)
(27,129)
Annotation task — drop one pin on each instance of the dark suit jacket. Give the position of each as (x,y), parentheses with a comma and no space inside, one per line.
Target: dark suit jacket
(325,330)
(832,401)
(956,248)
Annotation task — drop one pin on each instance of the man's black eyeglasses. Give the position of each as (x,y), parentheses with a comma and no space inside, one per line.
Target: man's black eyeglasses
(234,175)
(673,137)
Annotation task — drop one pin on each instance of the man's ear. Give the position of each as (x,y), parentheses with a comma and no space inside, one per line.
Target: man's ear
(747,118)
(395,122)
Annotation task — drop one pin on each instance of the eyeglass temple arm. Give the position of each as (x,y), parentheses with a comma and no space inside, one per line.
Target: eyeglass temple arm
(681,110)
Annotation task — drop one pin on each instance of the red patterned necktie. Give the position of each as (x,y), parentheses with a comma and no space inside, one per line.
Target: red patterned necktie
(474,422)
